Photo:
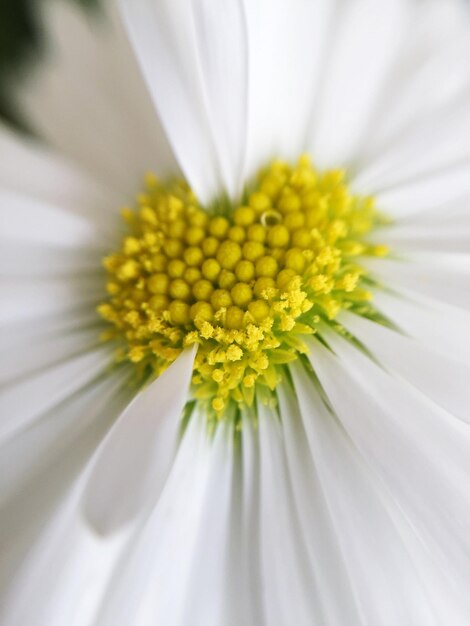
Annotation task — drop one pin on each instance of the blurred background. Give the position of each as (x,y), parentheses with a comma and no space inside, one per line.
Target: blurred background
(21,44)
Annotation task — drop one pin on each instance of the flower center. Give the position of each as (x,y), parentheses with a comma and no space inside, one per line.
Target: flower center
(245,283)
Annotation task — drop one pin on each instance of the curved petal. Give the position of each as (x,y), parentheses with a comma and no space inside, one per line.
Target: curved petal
(133,462)
(46,555)
(45,178)
(382,575)
(442,228)
(438,376)
(88,100)
(288,49)
(193,54)
(417,450)
(334,587)
(429,81)
(26,400)
(369,37)
(28,299)
(287,582)
(443,188)
(65,561)
(442,277)
(438,324)
(157,562)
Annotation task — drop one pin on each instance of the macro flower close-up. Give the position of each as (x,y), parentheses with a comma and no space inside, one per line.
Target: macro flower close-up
(235,327)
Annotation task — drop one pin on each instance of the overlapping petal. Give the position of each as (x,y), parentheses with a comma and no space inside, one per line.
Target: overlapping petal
(346,504)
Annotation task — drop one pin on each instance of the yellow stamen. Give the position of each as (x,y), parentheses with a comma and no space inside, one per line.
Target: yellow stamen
(244,286)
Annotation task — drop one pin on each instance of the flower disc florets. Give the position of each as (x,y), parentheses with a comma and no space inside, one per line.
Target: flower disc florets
(245,283)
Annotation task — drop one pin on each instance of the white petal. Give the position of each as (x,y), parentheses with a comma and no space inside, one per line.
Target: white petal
(41,239)
(213,572)
(417,449)
(38,469)
(249,560)
(133,462)
(288,49)
(42,352)
(436,324)
(89,100)
(26,299)
(30,221)
(160,555)
(427,83)
(382,576)
(363,45)
(439,377)
(443,277)
(444,229)
(332,591)
(443,188)
(287,584)
(428,148)
(194,58)
(28,399)
(64,574)
(19,336)
(65,436)
(33,172)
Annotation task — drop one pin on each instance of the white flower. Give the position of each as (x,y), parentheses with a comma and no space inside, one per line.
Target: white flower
(347,503)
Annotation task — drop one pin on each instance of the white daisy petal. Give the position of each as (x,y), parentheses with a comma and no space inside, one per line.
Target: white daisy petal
(439,377)
(287,53)
(44,351)
(445,229)
(30,398)
(428,80)
(356,496)
(286,576)
(197,77)
(66,434)
(46,240)
(33,172)
(249,559)
(444,327)
(362,517)
(53,450)
(387,419)
(159,557)
(426,150)
(210,585)
(443,277)
(19,336)
(44,232)
(132,464)
(67,558)
(27,299)
(223,55)
(366,36)
(446,186)
(90,75)
(332,590)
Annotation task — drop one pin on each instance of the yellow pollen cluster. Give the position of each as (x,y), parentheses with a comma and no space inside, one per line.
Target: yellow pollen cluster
(245,284)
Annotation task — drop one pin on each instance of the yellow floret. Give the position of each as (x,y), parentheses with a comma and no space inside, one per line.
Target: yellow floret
(244,216)
(218,227)
(241,294)
(202,289)
(267,266)
(179,312)
(228,254)
(245,287)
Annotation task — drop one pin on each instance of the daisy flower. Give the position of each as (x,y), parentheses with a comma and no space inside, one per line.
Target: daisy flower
(235,317)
